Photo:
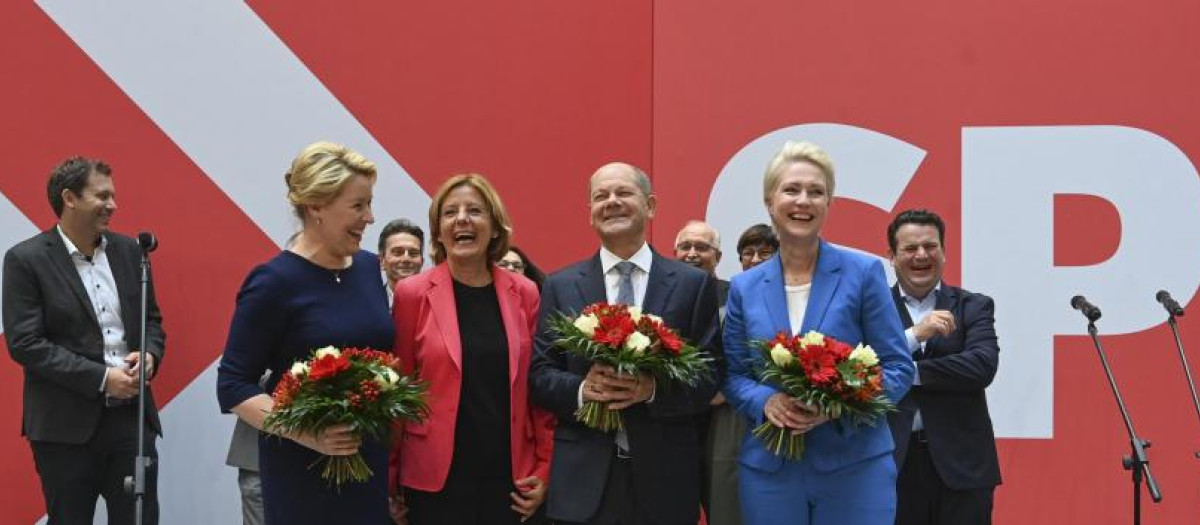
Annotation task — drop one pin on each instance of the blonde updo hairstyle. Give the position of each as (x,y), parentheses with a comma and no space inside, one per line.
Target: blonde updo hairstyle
(497,247)
(319,173)
(791,153)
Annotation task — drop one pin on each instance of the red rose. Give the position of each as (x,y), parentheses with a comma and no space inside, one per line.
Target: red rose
(839,350)
(328,366)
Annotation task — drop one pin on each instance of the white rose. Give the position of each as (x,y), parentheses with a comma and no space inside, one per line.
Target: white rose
(635,313)
(865,355)
(329,350)
(655,318)
(637,342)
(781,356)
(814,338)
(299,369)
(387,379)
(587,324)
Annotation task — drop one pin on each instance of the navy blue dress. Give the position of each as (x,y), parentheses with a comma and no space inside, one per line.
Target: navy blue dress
(286,308)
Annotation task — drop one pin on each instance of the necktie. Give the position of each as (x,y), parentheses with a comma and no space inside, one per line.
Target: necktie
(625,283)
(624,296)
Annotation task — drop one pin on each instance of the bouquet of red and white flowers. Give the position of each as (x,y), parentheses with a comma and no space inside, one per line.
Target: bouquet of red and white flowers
(630,341)
(360,387)
(844,384)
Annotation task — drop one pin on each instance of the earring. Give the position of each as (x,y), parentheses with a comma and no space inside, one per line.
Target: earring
(318,221)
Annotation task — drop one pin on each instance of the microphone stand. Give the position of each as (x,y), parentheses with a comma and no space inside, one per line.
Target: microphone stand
(1187,370)
(1137,461)
(136,484)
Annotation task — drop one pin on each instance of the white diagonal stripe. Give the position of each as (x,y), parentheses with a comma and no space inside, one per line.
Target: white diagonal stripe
(17,227)
(240,104)
(235,99)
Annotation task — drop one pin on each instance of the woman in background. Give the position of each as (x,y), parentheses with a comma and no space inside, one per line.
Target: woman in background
(516,261)
(757,244)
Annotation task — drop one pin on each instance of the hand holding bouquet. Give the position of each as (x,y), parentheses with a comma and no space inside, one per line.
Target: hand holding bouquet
(629,341)
(359,388)
(841,383)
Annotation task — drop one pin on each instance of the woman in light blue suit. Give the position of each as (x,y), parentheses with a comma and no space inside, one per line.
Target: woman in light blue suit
(846,476)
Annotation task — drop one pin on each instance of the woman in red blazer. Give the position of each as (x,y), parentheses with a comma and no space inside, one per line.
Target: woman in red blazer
(483,455)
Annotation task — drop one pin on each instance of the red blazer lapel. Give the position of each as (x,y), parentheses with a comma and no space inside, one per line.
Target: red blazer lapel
(510,307)
(441,301)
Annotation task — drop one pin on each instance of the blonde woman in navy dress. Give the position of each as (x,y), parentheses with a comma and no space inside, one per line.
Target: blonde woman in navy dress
(323,290)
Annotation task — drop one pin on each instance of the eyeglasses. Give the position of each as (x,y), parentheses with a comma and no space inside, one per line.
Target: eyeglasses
(749,254)
(512,266)
(699,247)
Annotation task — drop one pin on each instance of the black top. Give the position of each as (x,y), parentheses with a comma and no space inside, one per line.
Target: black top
(481,433)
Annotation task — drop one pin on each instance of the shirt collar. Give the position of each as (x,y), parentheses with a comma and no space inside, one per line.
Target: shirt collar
(641,259)
(937,288)
(74,250)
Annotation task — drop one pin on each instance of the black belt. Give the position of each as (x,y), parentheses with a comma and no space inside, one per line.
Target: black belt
(112,402)
(919,436)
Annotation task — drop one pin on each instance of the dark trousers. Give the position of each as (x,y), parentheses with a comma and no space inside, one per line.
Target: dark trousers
(73,476)
(467,502)
(923,499)
(617,505)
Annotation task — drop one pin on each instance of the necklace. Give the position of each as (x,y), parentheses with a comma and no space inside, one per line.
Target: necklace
(337,275)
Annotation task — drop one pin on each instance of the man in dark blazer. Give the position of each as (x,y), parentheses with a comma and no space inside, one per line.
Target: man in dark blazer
(648,473)
(71,303)
(945,447)
(721,430)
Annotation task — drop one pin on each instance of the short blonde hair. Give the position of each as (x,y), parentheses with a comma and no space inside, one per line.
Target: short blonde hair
(791,153)
(319,173)
(497,247)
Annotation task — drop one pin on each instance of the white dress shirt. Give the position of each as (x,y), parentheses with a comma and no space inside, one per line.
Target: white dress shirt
(918,310)
(642,259)
(101,289)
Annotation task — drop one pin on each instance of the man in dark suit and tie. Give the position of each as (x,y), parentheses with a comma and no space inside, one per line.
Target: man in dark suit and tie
(647,473)
(945,448)
(72,302)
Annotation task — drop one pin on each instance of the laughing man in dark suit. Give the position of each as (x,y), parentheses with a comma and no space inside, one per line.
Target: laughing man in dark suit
(945,448)
(71,304)
(649,472)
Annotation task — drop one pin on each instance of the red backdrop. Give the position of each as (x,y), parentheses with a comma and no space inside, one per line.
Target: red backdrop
(537,94)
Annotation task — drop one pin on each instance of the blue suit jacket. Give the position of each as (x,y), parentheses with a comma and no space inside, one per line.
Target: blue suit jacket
(849,301)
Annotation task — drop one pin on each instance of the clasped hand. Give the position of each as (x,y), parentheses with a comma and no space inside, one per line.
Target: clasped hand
(785,412)
(603,384)
(337,440)
(938,322)
(122,383)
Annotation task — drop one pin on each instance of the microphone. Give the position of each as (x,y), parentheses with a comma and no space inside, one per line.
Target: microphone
(1090,311)
(147,241)
(1169,303)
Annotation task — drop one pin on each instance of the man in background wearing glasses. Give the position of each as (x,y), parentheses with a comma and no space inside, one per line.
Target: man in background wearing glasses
(699,245)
